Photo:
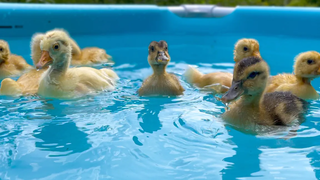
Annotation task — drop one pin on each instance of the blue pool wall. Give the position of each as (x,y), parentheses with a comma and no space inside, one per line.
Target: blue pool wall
(283,32)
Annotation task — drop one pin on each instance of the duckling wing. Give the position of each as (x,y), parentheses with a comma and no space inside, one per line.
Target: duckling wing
(279,80)
(93,56)
(168,85)
(10,87)
(29,81)
(19,62)
(283,107)
(178,89)
(92,79)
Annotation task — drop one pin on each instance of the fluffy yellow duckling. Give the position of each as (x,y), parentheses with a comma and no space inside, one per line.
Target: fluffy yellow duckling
(221,81)
(28,83)
(160,82)
(92,55)
(86,56)
(58,81)
(10,64)
(306,68)
(246,48)
(253,105)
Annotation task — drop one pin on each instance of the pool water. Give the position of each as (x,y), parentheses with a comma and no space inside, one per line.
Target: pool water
(118,135)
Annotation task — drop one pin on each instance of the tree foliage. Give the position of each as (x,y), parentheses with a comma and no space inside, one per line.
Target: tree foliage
(178,2)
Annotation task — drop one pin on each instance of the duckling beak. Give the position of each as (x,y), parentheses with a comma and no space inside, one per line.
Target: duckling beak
(161,57)
(234,92)
(256,54)
(45,60)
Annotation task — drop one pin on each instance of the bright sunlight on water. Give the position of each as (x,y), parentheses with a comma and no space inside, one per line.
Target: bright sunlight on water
(118,135)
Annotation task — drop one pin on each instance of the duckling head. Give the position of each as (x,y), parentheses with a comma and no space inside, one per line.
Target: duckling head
(250,77)
(158,53)
(307,65)
(35,47)
(55,49)
(4,51)
(246,48)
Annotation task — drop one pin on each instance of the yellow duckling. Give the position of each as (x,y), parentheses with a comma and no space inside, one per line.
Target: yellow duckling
(28,83)
(306,68)
(246,48)
(10,64)
(86,56)
(253,105)
(58,81)
(92,55)
(160,82)
(221,81)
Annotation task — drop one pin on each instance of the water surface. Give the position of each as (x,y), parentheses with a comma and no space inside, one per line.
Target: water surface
(118,135)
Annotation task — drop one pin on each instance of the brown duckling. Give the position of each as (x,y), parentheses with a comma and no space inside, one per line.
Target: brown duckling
(306,68)
(221,81)
(160,82)
(252,105)
(11,65)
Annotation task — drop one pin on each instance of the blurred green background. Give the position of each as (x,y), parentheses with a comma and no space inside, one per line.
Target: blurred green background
(178,2)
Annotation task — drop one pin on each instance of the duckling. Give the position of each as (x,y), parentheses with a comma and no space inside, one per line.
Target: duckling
(306,68)
(92,55)
(160,82)
(28,83)
(252,105)
(11,65)
(87,56)
(60,81)
(221,81)
(246,48)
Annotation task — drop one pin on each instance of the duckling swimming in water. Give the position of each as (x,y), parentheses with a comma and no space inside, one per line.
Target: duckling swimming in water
(221,81)
(11,65)
(246,48)
(306,68)
(60,81)
(84,57)
(28,83)
(252,105)
(160,82)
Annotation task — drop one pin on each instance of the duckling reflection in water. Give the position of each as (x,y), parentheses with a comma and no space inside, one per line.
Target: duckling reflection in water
(252,105)
(306,68)
(160,82)
(220,82)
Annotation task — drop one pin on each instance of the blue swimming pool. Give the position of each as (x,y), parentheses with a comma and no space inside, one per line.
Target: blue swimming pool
(118,135)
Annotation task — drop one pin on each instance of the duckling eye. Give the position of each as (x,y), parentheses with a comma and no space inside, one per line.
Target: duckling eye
(166,48)
(310,61)
(55,46)
(152,48)
(253,75)
(1,49)
(245,48)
